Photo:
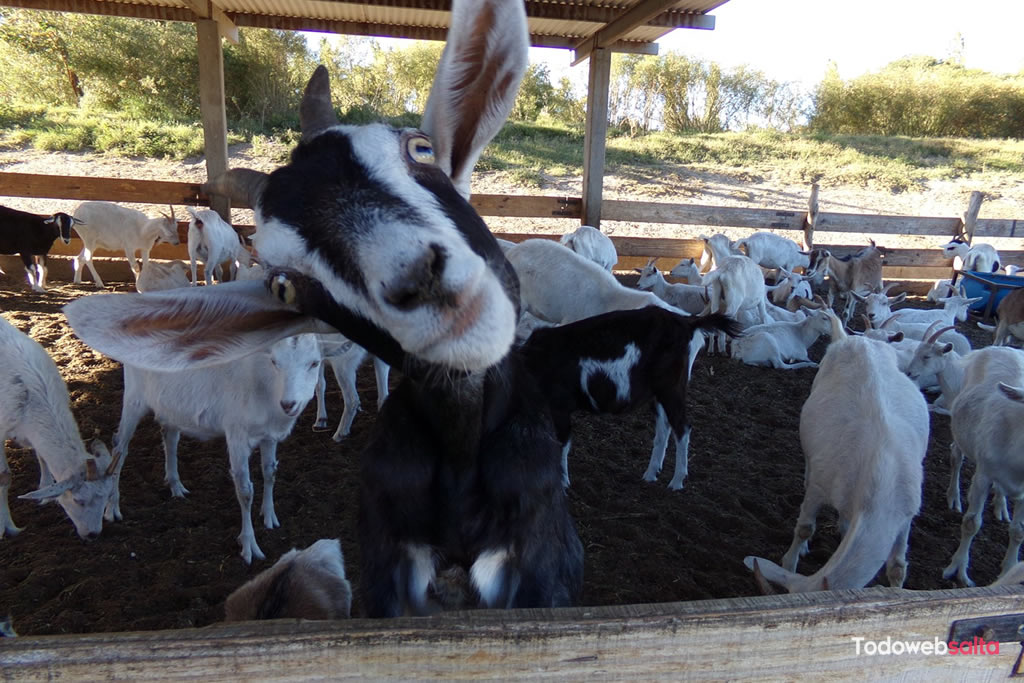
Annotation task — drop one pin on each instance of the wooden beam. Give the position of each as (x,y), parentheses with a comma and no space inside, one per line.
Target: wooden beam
(625,22)
(212,107)
(205,9)
(764,637)
(596,130)
(109,9)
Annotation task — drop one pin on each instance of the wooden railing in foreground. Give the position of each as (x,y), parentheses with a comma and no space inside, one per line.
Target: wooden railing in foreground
(782,637)
(899,261)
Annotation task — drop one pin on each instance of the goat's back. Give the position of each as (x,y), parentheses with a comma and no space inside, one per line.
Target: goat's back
(994,364)
(106,224)
(989,427)
(864,427)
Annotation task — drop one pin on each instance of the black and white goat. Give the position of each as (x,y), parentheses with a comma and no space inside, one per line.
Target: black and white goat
(31,236)
(618,361)
(463,464)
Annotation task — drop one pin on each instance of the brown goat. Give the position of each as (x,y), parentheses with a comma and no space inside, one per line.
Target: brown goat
(303,584)
(860,272)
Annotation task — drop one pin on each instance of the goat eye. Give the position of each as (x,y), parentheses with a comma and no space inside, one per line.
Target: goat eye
(420,150)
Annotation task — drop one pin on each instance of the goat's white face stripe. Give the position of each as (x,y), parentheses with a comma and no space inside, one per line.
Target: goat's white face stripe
(384,240)
(617,370)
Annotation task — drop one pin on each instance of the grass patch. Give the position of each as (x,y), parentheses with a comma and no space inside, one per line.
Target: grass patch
(528,153)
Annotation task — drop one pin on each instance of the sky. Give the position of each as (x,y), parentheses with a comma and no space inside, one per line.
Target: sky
(793,40)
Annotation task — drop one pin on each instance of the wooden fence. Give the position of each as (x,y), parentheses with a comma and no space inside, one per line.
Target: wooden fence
(901,262)
(810,635)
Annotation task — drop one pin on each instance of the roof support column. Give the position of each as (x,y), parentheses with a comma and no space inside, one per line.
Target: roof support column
(212,108)
(594,137)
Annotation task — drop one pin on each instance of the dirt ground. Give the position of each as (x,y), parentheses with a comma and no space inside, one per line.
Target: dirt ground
(172,562)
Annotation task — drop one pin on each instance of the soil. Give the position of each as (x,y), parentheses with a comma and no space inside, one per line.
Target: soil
(172,562)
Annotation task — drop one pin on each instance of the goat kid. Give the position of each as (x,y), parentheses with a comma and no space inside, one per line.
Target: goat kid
(864,433)
(31,236)
(782,345)
(213,241)
(616,362)
(463,462)
(690,298)
(302,584)
(773,252)
(103,225)
(252,401)
(156,277)
(35,411)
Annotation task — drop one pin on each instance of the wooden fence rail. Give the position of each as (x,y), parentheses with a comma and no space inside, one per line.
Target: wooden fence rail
(771,637)
(900,262)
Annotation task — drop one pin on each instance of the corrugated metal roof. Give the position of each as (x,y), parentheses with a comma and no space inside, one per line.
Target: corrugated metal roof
(565,22)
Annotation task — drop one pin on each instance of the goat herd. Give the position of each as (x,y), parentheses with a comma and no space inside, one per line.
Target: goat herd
(462,482)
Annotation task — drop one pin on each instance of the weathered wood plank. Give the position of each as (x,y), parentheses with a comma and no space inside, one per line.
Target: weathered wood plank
(760,637)
(108,189)
(695,214)
(527,207)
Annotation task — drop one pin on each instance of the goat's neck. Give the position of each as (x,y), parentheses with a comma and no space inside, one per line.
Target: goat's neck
(951,376)
(53,434)
(840,272)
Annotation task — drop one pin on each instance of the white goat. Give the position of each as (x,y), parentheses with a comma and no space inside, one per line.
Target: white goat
(954,308)
(103,225)
(688,271)
(988,425)
(877,305)
(772,251)
(345,356)
(690,298)
(591,243)
(943,288)
(788,286)
(156,277)
(560,286)
(980,257)
(864,432)
(736,284)
(252,401)
(35,411)
(922,331)
(212,241)
(302,584)
(773,344)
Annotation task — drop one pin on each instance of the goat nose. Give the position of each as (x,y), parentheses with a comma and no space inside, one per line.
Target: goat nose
(289,407)
(420,282)
(91,535)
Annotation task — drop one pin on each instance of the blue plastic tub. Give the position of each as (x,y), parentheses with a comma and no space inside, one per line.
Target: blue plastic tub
(992,287)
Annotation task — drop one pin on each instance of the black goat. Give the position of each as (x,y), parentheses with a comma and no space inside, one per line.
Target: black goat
(618,361)
(31,236)
(463,465)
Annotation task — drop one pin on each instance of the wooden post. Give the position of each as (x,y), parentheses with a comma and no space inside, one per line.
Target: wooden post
(594,139)
(812,217)
(211,106)
(970,220)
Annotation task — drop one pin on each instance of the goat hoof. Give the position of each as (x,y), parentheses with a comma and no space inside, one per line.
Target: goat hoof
(320,425)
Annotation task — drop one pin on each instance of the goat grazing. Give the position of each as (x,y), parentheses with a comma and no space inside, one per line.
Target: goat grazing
(615,362)
(690,298)
(864,433)
(252,401)
(212,241)
(31,236)
(980,257)
(345,356)
(560,286)
(463,463)
(988,426)
(35,410)
(591,243)
(302,584)
(103,225)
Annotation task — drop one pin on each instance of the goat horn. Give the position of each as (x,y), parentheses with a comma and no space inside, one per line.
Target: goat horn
(939,332)
(243,186)
(316,113)
(888,320)
(116,458)
(885,290)
(91,473)
(867,321)
(650,262)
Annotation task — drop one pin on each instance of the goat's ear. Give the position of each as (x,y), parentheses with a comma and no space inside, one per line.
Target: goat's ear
(898,337)
(51,491)
(1011,392)
(484,60)
(898,298)
(186,328)
(947,348)
(316,113)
